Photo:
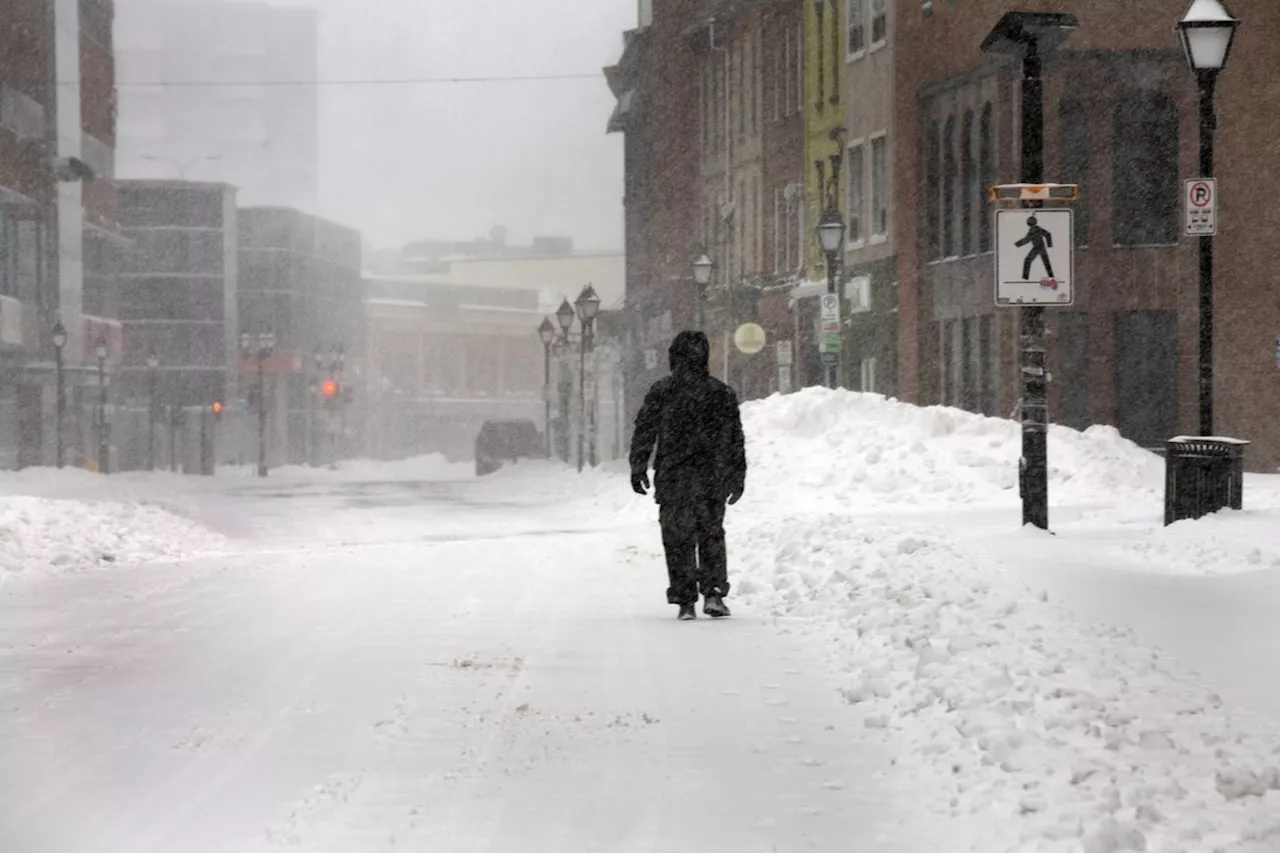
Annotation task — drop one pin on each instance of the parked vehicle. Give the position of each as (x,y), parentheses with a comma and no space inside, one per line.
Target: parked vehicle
(507,441)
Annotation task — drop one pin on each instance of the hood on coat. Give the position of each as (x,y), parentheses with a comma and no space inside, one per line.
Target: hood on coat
(690,353)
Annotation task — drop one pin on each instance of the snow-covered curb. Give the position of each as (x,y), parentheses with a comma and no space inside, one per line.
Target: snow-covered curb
(1066,738)
(43,535)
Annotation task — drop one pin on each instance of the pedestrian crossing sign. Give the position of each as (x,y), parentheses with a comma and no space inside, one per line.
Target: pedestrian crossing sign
(1035,262)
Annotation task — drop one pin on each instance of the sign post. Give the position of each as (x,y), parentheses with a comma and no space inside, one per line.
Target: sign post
(829,334)
(1200,204)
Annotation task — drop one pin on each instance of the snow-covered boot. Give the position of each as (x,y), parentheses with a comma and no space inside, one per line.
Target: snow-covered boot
(715,607)
(687,612)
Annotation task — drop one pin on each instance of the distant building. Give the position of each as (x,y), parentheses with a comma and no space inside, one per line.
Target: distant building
(299,279)
(260,138)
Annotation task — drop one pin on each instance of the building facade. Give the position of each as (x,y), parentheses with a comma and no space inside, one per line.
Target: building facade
(260,138)
(299,279)
(1121,119)
(59,235)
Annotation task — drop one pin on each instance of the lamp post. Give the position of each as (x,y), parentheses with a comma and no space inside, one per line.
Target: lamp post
(564,317)
(59,336)
(588,304)
(703,267)
(266,346)
(153,366)
(1031,36)
(104,440)
(547,334)
(831,228)
(1206,31)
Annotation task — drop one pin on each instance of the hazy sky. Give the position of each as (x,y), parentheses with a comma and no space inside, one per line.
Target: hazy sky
(401,162)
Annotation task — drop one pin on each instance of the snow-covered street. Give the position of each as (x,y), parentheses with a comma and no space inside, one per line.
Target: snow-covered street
(406,657)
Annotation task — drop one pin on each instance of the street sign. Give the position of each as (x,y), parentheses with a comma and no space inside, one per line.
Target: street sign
(829,336)
(1034,257)
(1200,203)
(785,355)
(750,338)
(830,359)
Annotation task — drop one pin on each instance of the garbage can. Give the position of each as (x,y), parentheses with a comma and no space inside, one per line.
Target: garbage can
(1202,475)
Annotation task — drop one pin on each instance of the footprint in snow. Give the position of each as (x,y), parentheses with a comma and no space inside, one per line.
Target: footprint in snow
(811,762)
(833,785)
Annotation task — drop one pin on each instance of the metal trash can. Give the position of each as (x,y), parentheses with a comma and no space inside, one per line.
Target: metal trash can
(1202,475)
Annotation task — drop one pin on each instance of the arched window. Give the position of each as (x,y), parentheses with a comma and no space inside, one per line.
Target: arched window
(1144,170)
(986,172)
(932,191)
(949,178)
(969,195)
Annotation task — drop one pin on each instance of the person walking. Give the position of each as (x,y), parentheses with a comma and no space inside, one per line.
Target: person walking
(691,426)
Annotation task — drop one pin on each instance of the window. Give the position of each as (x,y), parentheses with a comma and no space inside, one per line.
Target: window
(1144,184)
(835,52)
(869,375)
(1073,143)
(740,67)
(781,82)
(932,188)
(855,199)
(879,22)
(856,27)
(821,64)
(779,208)
(969,178)
(986,172)
(858,294)
(949,188)
(879,186)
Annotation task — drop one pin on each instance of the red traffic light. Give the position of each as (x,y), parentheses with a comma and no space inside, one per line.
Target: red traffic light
(217,407)
(329,388)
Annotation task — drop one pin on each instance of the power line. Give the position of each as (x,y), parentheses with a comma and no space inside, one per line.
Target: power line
(396,81)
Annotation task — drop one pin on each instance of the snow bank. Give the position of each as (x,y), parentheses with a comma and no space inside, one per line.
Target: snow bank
(432,466)
(45,535)
(864,451)
(1056,735)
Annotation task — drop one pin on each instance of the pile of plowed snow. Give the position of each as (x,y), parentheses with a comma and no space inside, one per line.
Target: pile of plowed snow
(857,449)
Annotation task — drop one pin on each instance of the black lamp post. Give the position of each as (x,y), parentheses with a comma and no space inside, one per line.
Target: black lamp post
(153,366)
(59,336)
(588,304)
(547,334)
(266,346)
(703,267)
(831,228)
(104,439)
(1207,32)
(1031,36)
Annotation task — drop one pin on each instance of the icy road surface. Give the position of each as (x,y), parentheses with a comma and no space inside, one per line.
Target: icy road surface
(465,674)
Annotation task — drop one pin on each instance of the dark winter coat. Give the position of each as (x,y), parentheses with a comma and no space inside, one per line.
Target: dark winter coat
(693,420)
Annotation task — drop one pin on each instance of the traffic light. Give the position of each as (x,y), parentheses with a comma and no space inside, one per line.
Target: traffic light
(217,408)
(329,388)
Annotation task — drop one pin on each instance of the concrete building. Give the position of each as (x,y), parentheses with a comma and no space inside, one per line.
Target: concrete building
(1121,113)
(299,278)
(252,132)
(178,290)
(59,238)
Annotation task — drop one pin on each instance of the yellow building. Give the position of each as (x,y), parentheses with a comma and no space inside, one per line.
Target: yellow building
(824,95)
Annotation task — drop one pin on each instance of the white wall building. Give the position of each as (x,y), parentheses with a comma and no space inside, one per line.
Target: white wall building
(253,133)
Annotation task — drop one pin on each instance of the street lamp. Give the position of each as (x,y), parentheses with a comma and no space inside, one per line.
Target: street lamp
(831,228)
(1030,36)
(59,336)
(153,366)
(104,439)
(588,304)
(1207,32)
(703,267)
(547,334)
(266,345)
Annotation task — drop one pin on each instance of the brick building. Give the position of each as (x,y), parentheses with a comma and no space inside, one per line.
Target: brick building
(59,236)
(1121,121)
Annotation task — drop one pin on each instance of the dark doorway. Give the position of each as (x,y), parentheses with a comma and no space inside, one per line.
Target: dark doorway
(1071,373)
(30,426)
(1147,376)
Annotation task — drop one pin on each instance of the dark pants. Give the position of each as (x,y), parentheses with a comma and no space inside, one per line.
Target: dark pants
(693,537)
